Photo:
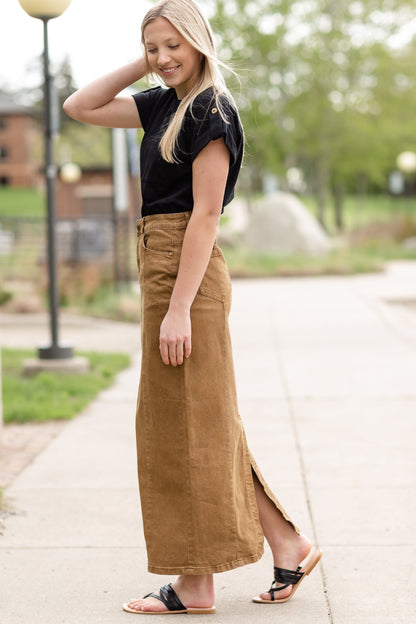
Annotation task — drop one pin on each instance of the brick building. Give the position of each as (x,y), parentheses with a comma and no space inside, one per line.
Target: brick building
(18,134)
(20,166)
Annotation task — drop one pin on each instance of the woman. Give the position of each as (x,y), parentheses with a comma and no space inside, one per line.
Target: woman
(205,505)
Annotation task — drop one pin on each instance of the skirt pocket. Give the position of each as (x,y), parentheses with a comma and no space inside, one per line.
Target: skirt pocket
(158,242)
(216,283)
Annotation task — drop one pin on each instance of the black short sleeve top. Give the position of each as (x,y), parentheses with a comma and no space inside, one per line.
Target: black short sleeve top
(167,187)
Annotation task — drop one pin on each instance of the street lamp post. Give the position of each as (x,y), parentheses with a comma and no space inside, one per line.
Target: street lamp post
(46,10)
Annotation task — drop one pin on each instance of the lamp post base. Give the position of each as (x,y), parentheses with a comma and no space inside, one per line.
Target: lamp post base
(55,352)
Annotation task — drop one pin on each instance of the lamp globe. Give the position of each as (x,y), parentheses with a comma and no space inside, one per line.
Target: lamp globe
(44,9)
(406,162)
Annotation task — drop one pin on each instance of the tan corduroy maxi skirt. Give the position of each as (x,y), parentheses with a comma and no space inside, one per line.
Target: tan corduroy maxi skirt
(195,471)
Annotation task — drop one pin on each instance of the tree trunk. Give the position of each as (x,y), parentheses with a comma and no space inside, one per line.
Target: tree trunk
(321,206)
(320,192)
(338,193)
(256,179)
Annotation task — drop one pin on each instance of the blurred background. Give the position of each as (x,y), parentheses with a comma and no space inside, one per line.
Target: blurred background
(327,95)
(325,367)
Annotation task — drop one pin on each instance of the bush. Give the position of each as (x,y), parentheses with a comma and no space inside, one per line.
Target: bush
(5,296)
(394,230)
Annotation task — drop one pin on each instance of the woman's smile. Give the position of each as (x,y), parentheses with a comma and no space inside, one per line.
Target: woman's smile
(169,70)
(170,56)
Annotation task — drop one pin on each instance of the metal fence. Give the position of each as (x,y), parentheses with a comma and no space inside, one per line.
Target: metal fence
(105,243)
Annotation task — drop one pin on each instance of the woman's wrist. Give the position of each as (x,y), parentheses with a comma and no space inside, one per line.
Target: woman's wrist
(179,306)
(125,76)
(138,69)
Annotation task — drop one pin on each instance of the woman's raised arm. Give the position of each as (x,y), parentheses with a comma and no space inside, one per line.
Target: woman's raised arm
(99,104)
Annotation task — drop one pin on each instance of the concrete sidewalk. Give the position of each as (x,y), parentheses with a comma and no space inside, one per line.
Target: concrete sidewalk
(326,374)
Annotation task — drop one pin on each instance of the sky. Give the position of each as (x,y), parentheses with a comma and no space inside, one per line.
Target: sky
(97,35)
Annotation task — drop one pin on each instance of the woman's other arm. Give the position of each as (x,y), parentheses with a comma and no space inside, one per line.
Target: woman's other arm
(209,177)
(98,103)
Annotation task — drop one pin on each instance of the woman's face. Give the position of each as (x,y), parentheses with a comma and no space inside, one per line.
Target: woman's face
(171,56)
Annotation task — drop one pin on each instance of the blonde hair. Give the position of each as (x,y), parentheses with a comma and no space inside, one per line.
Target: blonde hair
(189,21)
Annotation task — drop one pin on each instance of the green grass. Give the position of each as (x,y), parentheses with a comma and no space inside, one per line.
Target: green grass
(359,210)
(54,396)
(374,228)
(21,202)
(370,258)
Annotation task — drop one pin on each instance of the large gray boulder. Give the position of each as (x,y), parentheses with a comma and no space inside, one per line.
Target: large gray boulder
(280,223)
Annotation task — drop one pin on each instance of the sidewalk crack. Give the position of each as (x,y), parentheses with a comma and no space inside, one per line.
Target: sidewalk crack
(295,431)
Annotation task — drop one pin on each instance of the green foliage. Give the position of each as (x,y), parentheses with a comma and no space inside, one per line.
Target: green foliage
(368,257)
(360,210)
(54,396)
(5,296)
(375,228)
(87,146)
(64,85)
(243,262)
(21,202)
(118,304)
(328,87)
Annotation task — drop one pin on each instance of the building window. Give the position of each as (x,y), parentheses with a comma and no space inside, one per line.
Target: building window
(4,152)
(4,181)
(3,123)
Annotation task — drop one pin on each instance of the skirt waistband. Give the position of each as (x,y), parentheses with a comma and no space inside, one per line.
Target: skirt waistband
(168,221)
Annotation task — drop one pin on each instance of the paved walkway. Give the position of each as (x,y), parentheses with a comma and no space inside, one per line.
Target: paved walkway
(326,375)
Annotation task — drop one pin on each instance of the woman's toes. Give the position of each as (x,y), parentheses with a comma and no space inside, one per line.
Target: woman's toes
(152,606)
(135,604)
(278,595)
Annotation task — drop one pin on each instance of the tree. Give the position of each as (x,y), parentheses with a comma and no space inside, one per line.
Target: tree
(323,88)
(80,143)
(64,85)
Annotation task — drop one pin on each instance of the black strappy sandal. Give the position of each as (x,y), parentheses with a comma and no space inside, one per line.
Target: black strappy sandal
(290,577)
(172,602)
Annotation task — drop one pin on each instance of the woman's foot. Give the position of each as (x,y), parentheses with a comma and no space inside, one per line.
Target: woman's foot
(288,554)
(193,591)
(288,547)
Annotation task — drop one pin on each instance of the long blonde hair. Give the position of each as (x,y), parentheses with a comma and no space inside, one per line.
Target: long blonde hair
(189,21)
